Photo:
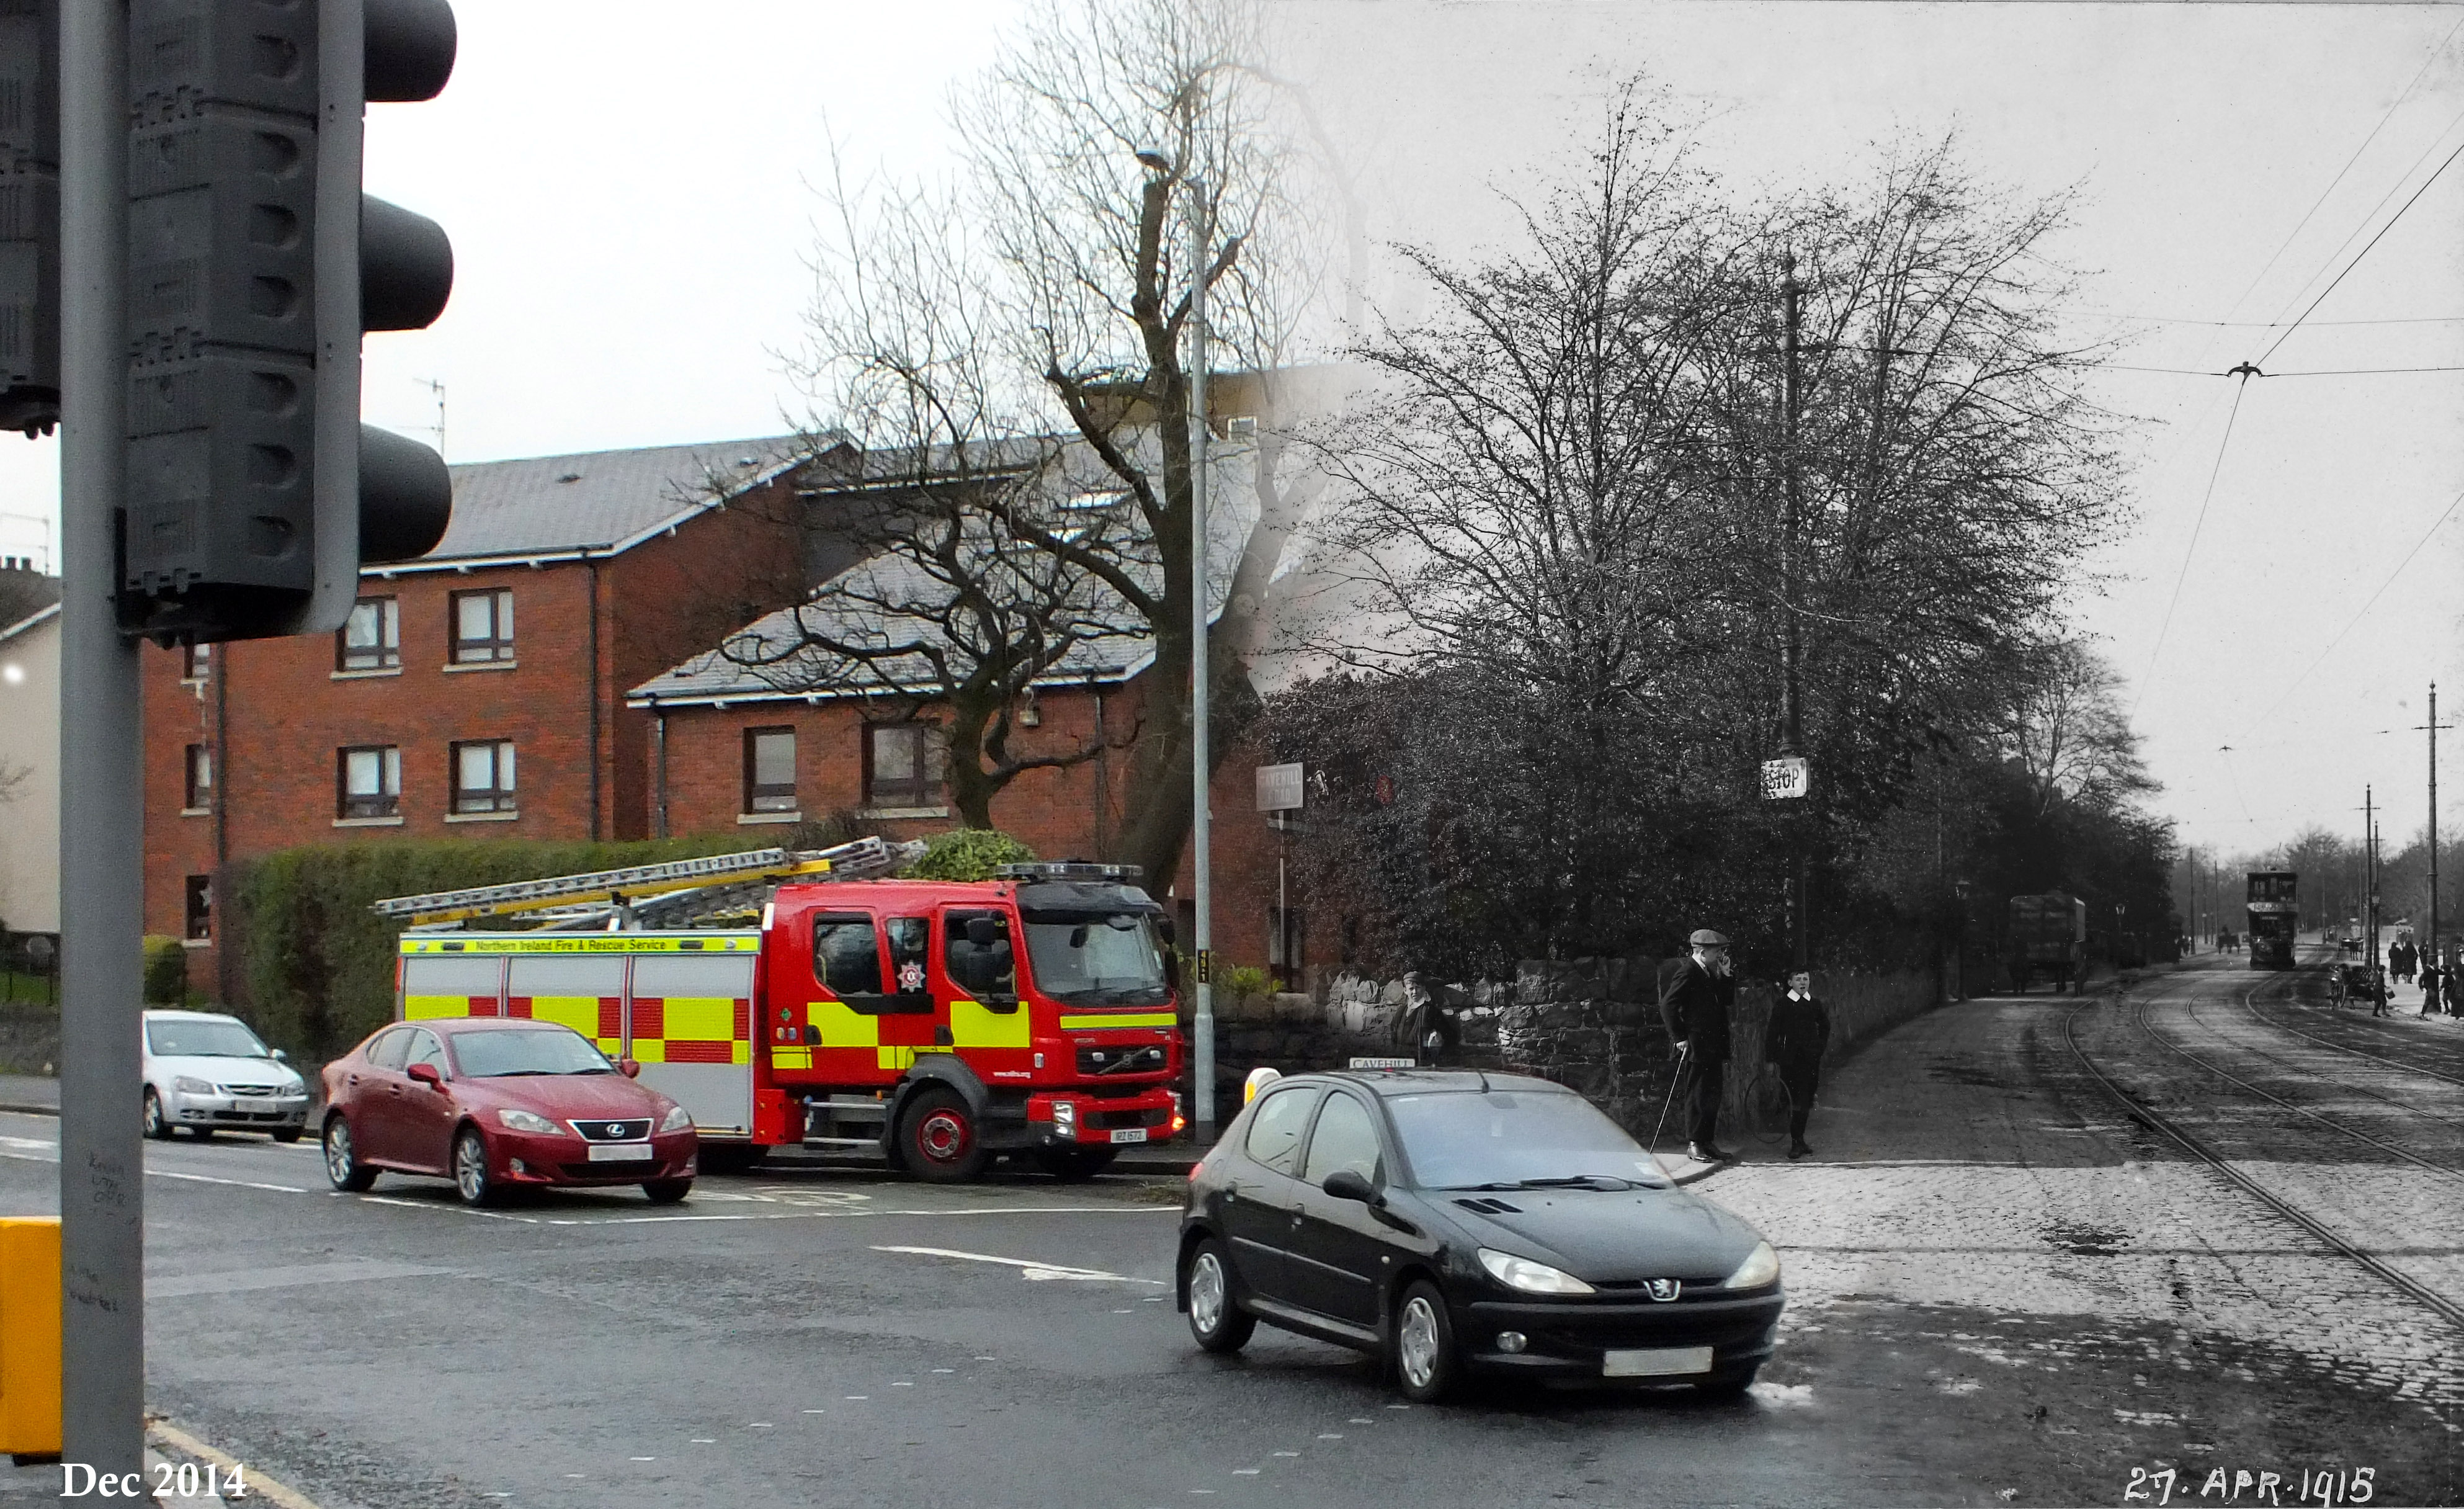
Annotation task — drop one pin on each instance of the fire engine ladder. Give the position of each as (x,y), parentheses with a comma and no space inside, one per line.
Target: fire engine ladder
(596,897)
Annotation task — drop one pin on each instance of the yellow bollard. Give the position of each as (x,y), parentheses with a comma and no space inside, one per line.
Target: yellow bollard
(29,1337)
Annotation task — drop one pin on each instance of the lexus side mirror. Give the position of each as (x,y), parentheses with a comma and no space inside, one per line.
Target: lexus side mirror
(632,1067)
(1348,1183)
(427,1075)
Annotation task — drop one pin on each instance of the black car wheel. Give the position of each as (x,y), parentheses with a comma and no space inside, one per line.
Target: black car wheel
(288,1134)
(1427,1366)
(472,1179)
(1074,1165)
(342,1166)
(157,1126)
(1214,1316)
(938,1135)
(1730,1385)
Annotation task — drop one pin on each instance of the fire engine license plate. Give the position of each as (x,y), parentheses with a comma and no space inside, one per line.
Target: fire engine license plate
(252,1105)
(619,1152)
(1657,1361)
(1130,1134)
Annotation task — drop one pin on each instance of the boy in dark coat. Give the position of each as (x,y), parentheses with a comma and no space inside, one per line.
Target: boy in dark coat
(1800,1029)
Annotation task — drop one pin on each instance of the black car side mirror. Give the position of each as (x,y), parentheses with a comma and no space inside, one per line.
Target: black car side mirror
(279,1056)
(1348,1184)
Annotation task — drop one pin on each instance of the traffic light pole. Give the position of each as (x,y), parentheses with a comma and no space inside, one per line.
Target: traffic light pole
(102,1214)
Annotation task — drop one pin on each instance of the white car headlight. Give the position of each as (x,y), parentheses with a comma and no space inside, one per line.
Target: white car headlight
(521,1120)
(679,1119)
(1529,1277)
(1759,1271)
(189,1085)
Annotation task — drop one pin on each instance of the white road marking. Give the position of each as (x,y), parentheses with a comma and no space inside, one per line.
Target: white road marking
(450,1209)
(1329,1435)
(859,1396)
(1027,1268)
(945,1369)
(1246,1472)
(760,1424)
(643,1458)
(705,1441)
(817,1411)
(902,1385)
(1362,1419)
(237,1183)
(1288,1454)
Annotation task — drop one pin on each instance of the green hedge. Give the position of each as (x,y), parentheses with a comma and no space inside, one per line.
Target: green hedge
(166,971)
(319,965)
(967,854)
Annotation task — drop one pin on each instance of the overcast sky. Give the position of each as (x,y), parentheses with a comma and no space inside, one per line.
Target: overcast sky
(630,203)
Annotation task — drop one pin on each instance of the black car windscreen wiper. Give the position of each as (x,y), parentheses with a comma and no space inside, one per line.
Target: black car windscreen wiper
(1606,1183)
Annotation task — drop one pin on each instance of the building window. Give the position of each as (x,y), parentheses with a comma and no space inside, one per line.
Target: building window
(201,908)
(770,769)
(483,627)
(371,637)
(195,662)
(902,765)
(1287,932)
(370,781)
(483,776)
(200,779)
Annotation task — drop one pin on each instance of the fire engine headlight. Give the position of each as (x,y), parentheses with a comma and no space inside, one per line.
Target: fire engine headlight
(520,1120)
(1179,1117)
(679,1119)
(186,1086)
(1064,1115)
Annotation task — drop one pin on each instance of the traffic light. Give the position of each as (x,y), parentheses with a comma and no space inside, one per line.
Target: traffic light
(30,214)
(253,494)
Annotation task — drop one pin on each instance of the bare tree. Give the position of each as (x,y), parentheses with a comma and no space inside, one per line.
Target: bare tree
(2065,728)
(1047,297)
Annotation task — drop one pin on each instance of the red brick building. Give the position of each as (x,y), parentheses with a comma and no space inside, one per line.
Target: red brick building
(478,690)
(547,672)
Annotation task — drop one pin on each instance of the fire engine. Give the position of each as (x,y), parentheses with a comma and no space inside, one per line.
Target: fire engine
(805,998)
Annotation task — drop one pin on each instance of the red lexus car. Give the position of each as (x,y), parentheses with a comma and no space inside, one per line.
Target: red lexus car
(494,1104)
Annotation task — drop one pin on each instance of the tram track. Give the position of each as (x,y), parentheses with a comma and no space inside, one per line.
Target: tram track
(2190,1010)
(2147,1029)
(2198,1148)
(2290,1030)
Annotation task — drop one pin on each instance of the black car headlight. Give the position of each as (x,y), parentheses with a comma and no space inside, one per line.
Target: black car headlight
(1527,1277)
(1759,1271)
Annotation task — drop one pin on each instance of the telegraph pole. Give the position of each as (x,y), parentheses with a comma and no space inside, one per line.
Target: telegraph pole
(102,1208)
(2370,879)
(2437,956)
(1791,647)
(1202,230)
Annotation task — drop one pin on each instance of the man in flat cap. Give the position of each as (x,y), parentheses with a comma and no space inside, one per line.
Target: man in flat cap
(1695,994)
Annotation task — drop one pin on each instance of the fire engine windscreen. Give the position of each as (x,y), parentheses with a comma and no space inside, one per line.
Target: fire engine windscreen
(1097,958)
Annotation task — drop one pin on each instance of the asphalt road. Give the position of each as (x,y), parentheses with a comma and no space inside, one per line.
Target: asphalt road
(2004,1290)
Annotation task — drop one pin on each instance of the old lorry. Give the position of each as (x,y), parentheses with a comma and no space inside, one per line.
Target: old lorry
(2047,939)
(786,999)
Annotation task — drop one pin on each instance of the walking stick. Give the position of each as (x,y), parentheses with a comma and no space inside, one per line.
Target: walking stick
(1681,1050)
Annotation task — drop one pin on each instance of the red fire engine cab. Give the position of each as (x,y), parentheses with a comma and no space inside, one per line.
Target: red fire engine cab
(942,1022)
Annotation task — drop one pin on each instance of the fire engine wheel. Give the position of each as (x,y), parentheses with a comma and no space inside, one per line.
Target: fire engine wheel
(938,1135)
(1073,1165)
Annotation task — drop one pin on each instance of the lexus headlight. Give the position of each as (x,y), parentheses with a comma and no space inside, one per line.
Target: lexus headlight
(186,1086)
(1759,1271)
(679,1119)
(520,1121)
(1529,1277)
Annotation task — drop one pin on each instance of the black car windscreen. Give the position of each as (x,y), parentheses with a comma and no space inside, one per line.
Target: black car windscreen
(1463,1139)
(1097,958)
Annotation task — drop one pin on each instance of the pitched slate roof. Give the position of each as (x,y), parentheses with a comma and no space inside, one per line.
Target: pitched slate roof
(597,499)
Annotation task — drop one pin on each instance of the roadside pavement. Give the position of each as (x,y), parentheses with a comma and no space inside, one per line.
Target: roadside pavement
(34,1095)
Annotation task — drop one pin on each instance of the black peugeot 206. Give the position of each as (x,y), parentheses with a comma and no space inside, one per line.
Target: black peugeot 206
(1450,1222)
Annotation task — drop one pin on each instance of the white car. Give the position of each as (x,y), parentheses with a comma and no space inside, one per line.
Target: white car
(206,1071)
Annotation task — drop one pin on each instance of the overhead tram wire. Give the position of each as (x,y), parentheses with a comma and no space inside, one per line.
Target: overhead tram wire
(2374,240)
(2196,524)
(2439,523)
(2246,370)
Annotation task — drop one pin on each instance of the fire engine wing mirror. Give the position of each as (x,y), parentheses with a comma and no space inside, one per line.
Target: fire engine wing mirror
(631,1067)
(427,1075)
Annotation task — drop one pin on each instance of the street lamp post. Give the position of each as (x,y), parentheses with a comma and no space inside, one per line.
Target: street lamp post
(1202,1022)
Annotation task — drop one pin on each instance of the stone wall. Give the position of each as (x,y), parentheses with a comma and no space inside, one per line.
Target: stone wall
(1589,1024)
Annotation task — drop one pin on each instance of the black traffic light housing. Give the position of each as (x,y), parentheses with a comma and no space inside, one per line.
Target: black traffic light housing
(253,494)
(30,214)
